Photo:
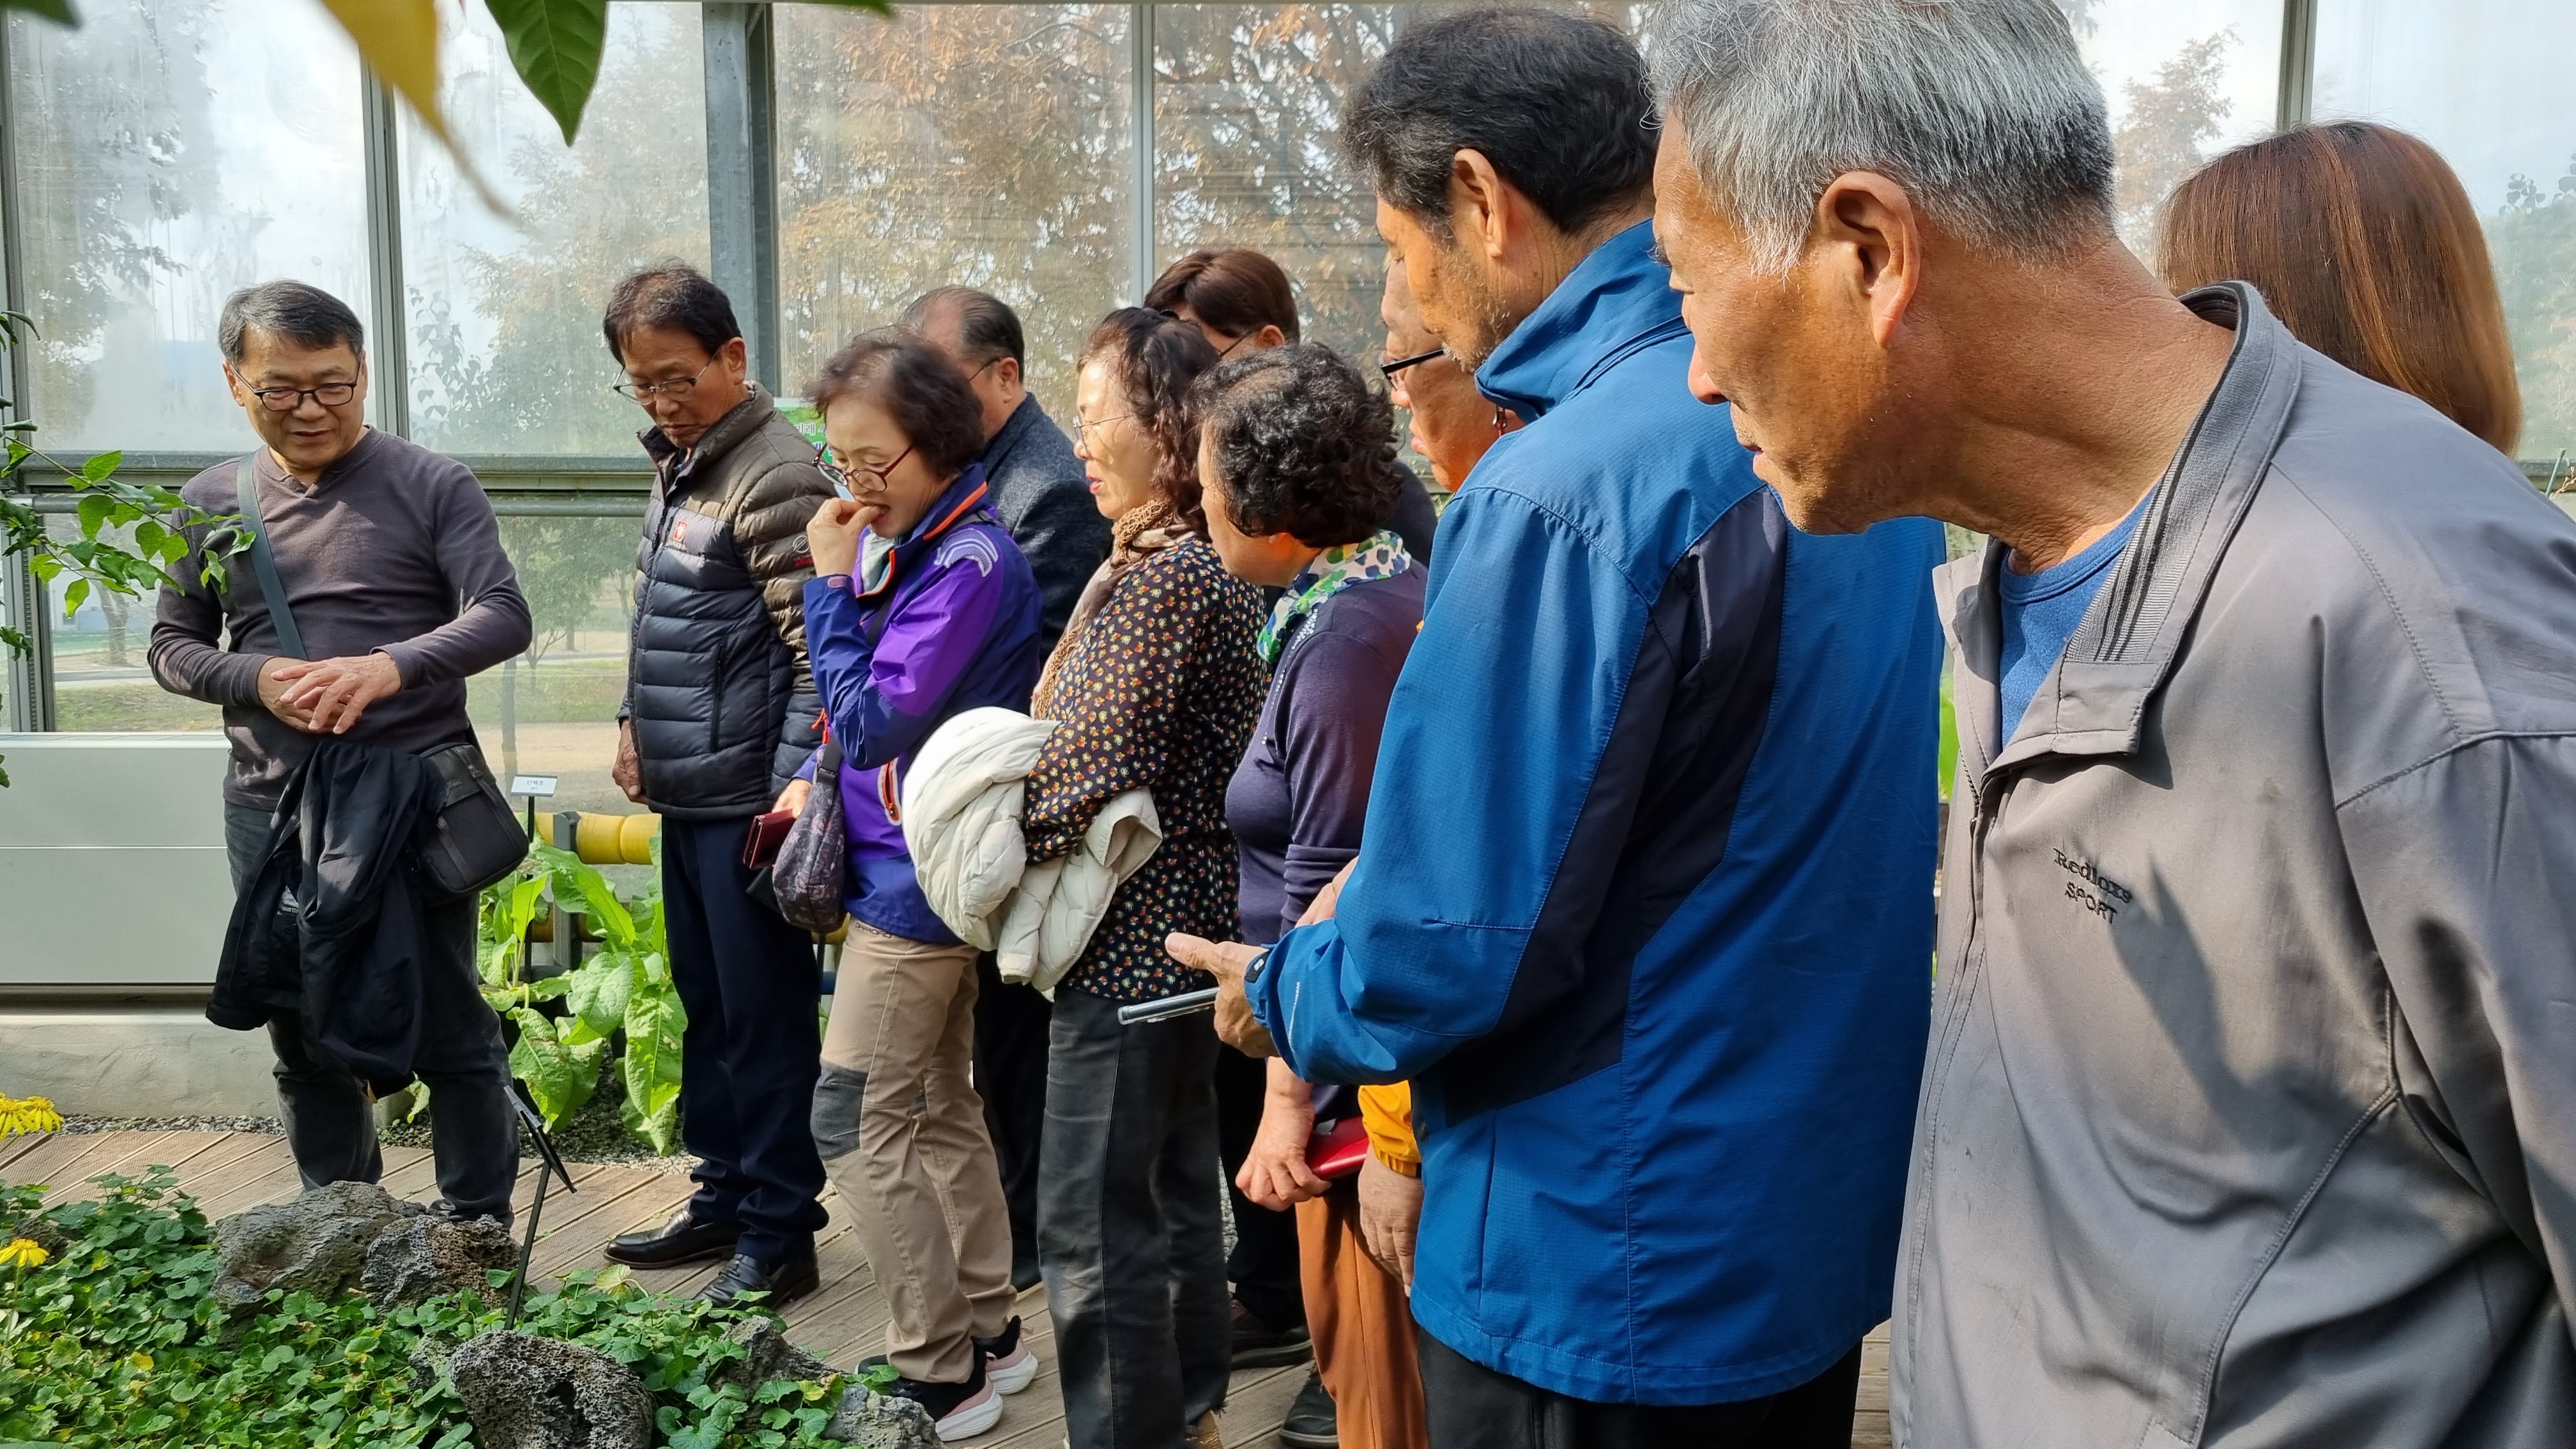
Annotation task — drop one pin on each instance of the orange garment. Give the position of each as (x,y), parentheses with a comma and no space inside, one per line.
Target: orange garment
(1362,1327)
(1387,1112)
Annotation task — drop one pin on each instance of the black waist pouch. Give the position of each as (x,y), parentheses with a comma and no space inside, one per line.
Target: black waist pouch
(475,840)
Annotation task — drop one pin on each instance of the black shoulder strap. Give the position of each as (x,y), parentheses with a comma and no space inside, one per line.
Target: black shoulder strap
(246,484)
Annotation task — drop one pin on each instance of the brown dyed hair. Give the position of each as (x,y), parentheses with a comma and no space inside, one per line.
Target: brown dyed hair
(1236,291)
(918,386)
(1158,357)
(2363,243)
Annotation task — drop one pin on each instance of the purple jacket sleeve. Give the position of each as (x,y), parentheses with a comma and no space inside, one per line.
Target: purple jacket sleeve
(883,687)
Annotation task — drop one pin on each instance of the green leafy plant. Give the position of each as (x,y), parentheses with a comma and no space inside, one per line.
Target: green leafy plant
(156,518)
(117,1340)
(621,996)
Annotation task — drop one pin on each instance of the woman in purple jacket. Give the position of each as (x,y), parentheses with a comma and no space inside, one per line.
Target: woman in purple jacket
(921,606)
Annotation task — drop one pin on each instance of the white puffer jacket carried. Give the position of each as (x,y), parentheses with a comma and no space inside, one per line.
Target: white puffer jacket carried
(962,802)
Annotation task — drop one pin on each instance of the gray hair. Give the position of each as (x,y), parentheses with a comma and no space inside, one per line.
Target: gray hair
(1982,109)
(291,312)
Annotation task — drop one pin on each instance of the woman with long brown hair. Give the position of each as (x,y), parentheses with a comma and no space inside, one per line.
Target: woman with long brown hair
(2363,243)
(1155,686)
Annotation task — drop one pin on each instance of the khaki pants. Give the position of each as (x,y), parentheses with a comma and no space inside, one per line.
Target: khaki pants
(903,1140)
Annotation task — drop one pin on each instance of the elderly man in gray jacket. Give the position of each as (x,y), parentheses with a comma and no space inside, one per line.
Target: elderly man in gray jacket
(2250,1111)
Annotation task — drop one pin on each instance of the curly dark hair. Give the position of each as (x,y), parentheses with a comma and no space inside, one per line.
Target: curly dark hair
(917,384)
(1305,447)
(1159,356)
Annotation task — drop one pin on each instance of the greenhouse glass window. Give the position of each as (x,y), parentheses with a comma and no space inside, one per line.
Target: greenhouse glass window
(169,152)
(984,145)
(504,343)
(2483,81)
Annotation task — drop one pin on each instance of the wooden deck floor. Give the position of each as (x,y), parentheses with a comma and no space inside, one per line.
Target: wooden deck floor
(229,1171)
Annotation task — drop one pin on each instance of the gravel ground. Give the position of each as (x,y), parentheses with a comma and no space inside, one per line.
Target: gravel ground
(595,1135)
(82,1126)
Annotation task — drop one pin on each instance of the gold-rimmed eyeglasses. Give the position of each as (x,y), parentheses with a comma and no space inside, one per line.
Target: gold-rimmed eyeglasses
(1082,430)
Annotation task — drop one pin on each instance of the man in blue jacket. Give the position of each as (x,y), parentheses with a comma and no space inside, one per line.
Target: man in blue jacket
(1643,908)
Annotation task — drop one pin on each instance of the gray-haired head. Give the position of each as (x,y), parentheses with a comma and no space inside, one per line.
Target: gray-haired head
(1982,109)
(987,328)
(294,312)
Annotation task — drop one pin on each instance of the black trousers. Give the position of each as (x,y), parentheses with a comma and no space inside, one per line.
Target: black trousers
(1128,1229)
(1473,1407)
(1263,1266)
(329,1115)
(753,1048)
(1011,1074)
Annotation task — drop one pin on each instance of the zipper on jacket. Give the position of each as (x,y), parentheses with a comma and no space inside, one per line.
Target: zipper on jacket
(715,703)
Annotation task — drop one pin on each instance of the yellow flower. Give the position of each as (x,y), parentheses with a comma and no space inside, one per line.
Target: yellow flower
(23,1253)
(34,1114)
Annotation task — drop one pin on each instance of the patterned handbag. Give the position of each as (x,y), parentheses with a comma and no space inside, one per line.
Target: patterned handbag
(806,877)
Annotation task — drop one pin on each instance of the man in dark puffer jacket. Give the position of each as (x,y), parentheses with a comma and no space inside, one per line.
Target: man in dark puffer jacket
(720,710)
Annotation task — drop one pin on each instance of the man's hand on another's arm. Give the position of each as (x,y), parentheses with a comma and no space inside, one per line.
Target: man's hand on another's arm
(1225,960)
(627,773)
(335,693)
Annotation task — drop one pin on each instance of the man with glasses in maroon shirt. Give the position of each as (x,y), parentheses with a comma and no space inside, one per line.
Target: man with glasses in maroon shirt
(720,713)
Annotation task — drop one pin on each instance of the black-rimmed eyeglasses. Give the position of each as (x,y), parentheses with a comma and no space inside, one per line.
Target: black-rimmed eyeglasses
(1391,368)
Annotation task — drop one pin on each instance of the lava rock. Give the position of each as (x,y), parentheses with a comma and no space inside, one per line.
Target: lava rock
(41,1231)
(434,1257)
(525,1392)
(767,1355)
(317,1243)
(879,1421)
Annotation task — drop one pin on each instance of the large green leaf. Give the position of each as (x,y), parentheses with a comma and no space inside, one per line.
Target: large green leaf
(599,990)
(510,906)
(556,46)
(598,898)
(651,1066)
(560,1075)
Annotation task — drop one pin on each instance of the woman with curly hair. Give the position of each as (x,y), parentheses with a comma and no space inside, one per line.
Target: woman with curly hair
(1297,456)
(1154,686)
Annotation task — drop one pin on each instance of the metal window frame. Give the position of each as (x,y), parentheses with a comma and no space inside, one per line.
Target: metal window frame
(2298,63)
(739,47)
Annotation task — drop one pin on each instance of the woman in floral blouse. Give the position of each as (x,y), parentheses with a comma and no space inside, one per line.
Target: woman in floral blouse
(1156,684)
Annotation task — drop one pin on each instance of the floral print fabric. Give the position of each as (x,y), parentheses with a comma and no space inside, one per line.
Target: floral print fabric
(1159,690)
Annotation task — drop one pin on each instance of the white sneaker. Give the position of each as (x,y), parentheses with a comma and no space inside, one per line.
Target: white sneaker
(1008,1364)
(972,1416)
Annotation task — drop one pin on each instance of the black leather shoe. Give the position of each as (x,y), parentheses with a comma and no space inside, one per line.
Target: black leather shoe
(1258,1345)
(784,1283)
(1312,1423)
(681,1240)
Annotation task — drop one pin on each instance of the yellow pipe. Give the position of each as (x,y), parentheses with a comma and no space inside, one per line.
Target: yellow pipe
(615,839)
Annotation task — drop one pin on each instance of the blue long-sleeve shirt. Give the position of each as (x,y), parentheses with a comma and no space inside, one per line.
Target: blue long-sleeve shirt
(1644,910)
